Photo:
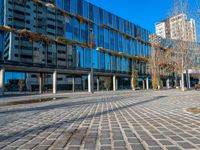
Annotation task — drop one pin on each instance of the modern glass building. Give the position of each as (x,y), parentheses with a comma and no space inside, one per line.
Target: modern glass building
(57,37)
(56,34)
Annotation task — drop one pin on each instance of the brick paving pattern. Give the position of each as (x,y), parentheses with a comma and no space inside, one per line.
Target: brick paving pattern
(141,120)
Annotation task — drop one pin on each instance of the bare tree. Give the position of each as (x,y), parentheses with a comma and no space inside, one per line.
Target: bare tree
(21,85)
(134,82)
(154,66)
(181,46)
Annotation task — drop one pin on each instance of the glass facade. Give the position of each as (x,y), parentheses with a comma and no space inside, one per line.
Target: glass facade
(72,20)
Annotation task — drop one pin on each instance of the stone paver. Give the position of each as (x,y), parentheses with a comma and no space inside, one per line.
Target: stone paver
(117,120)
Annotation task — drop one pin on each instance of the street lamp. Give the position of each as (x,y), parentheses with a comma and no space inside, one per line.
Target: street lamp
(91,62)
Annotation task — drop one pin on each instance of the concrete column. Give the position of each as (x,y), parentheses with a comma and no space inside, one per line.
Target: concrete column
(89,83)
(54,82)
(114,83)
(143,82)
(97,83)
(132,85)
(73,84)
(147,83)
(180,83)
(167,83)
(41,83)
(189,82)
(2,71)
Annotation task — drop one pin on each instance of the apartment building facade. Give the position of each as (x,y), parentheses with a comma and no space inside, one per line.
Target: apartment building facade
(178,27)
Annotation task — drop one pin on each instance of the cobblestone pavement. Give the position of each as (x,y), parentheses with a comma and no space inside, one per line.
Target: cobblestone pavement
(121,120)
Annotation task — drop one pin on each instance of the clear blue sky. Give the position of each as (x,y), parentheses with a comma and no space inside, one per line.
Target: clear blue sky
(142,12)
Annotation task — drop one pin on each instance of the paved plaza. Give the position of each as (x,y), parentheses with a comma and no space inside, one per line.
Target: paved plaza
(137,120)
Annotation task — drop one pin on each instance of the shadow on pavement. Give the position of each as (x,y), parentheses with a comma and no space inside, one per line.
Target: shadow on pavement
(39,129)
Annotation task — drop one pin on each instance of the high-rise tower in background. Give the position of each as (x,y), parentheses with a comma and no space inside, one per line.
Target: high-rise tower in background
(178,28)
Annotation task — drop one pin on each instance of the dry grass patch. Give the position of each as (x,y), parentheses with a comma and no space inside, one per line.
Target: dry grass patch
(194,110)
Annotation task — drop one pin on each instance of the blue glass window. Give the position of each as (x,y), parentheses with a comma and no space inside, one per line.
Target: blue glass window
(120,43)
(59,4)
(116,41)
(91,12)
(117,22)
(84,33)
(119,64)
(87,56)
(102,61)
(105,17)
(113,63)
(85,10)
(106,38)
(110,19)
(108,60)
(101,37)
(123,64)
(67,5)
(96,14)
(95,34)
(100,16)
(76,29)
(80,56)
(95,59)
(121,25)
(73,5)
(80,7)
(111,40)
(69,28)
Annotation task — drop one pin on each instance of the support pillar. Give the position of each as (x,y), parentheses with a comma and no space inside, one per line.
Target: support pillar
(97,83)
(114,83)
(41,83)
(73,84)
(180,83)
(2,71)
(167,83)
(189,82)
(147,83)
(132,84)
(54,82)
(143,83)
(89,83)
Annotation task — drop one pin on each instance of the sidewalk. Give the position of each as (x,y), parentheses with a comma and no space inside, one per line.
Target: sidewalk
(36,98)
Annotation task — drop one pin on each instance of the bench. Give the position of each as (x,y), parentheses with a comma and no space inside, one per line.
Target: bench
(197,86)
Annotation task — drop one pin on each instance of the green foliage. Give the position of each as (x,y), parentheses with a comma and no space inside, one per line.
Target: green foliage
(107,83)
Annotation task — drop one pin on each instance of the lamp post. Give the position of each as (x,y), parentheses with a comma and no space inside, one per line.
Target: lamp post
(91,62)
